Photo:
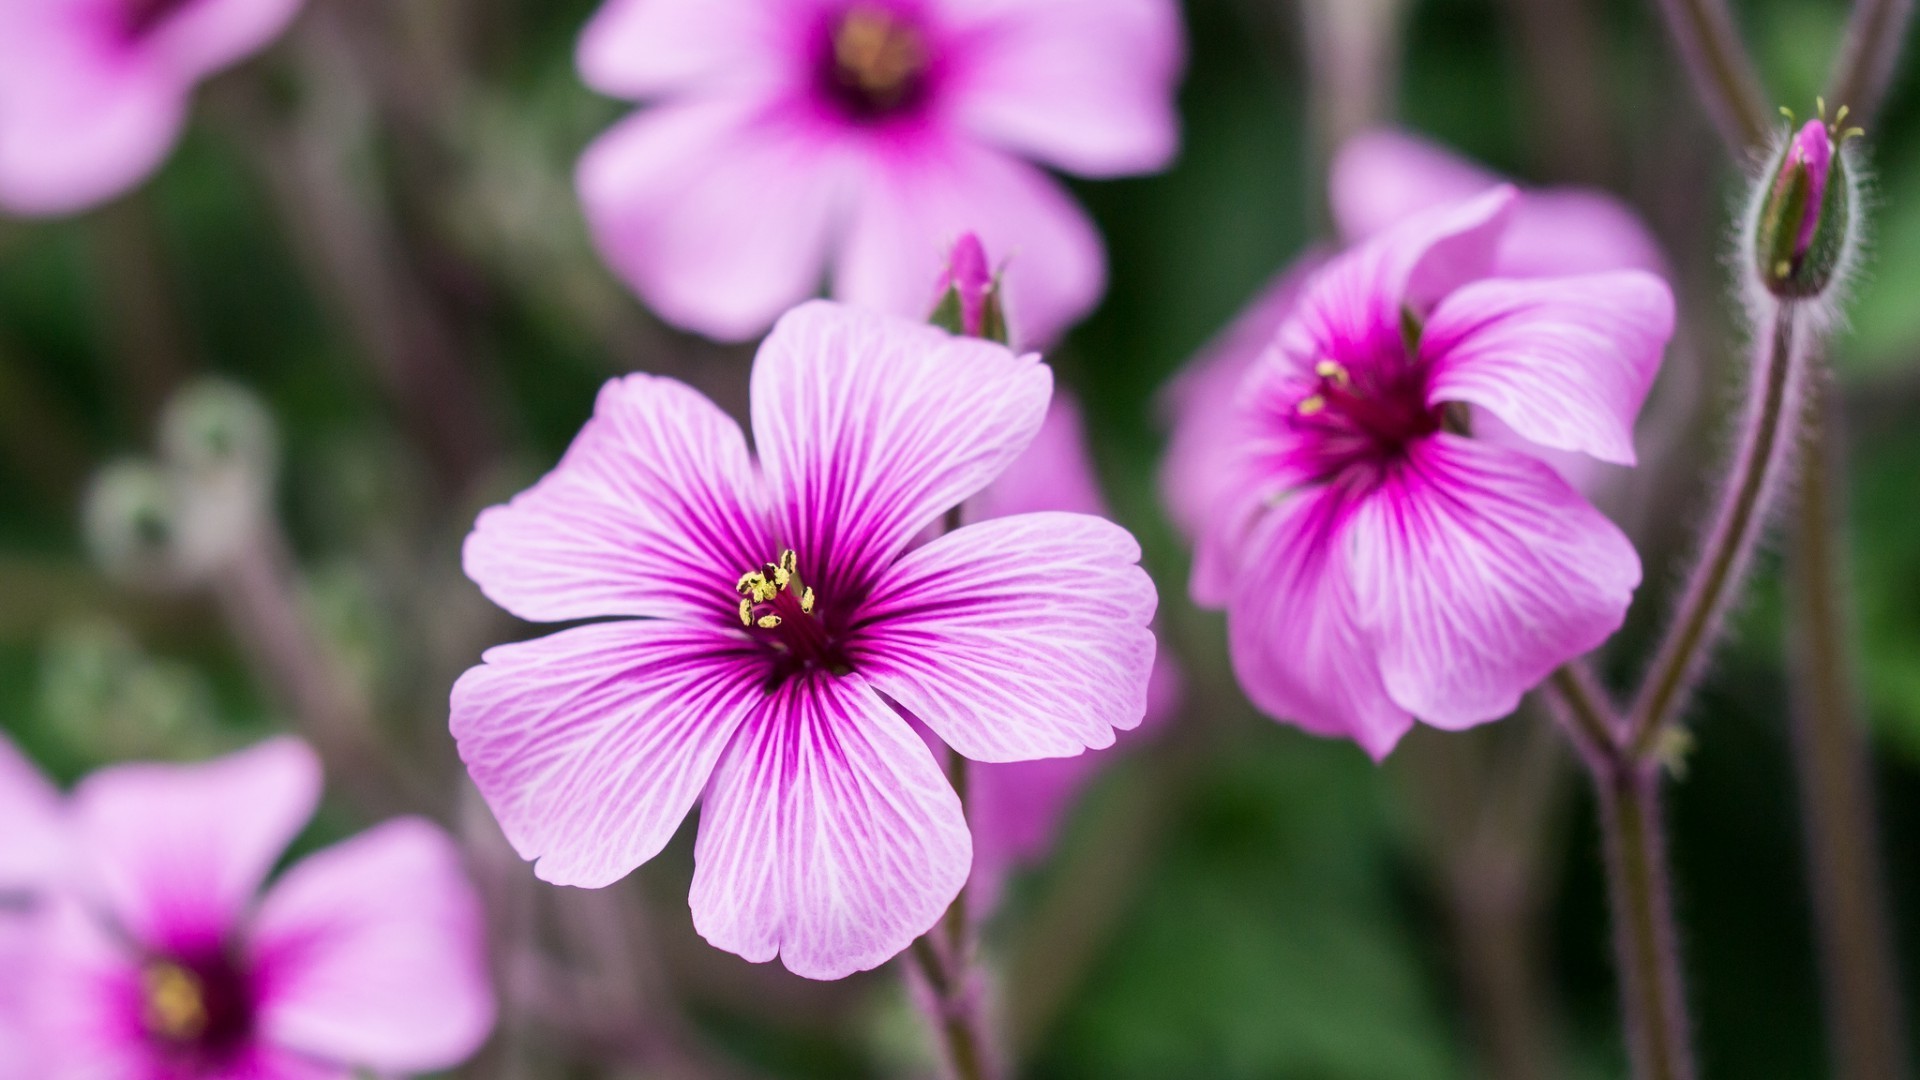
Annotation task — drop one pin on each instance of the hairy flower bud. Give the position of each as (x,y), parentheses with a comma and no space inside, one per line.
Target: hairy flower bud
(969,303)
(1805,216)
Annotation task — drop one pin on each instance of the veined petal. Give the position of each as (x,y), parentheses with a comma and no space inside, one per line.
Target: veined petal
(716,211)
(918,197)
(176,852)
(1352,310)
(592,744)
(638,49)
(1566,362)
(829,835)
(1293,629)
(870,427)
(1018,638)
(653,511)
(1477,571)
(372,953)
(1085,85)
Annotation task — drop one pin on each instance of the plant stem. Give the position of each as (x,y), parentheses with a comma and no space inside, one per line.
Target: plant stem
(1866,1035)
(1723,74)
(1874,36)
(1645,941)
(956,1007)
(1761,453)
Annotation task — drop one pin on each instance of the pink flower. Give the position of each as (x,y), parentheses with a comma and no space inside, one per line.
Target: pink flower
(156,960)
(1379,179)
(1376,564)
(1016,809)
(793,137)
(94,93)
(775,626)
(30,854)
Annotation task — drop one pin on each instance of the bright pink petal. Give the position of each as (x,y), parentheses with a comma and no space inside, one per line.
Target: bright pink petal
(1294,633)
(1085,85)
(829,835)
(590,745)
(653,511)
(1018,638)
(1566,362)
(870,427)
(372,953)
(83,117)
(1477,571)
(32,839)
(1352,310)
(638,49)
(716,211)
(1565,231)
(1055,473)
(204,36)
(919,197)
(79,1016)
(1380,178)
(176,852)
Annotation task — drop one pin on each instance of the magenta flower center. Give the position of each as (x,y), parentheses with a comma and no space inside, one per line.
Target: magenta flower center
(1369,420)
(198,1010)
(875,64)
(780,609)
(140,18)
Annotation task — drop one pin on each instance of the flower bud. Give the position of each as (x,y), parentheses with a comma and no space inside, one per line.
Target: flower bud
(132,522)
(969,303)
(1805,218)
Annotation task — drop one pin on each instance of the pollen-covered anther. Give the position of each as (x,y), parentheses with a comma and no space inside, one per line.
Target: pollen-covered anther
(774,594)
(1334,371)
(174,1004)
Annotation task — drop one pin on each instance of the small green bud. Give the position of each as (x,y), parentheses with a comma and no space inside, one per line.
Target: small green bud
(1806,213)
(969,304)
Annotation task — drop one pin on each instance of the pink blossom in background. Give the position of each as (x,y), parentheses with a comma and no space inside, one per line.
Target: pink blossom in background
(1016,809)
(1378,566)
(795,140)
(30,865)
(94,93)
(157,961)
(774,627)
(1379,179)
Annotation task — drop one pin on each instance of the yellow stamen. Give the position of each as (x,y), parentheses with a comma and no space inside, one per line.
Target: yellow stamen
(768,622)
(1331,369)
(175,1005)
(746,611)
(878,52)
(1821,104)
(806,601)
(1312,405)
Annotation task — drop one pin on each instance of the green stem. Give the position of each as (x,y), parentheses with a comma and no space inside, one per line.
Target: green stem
(1723,74)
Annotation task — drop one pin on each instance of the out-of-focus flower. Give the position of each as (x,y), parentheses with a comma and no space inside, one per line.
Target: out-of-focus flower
(30,854)
(784,627)
(1379,179)
(94,93)
(1803,218)
(1375,563)
(863,136)
(969,296)
(1016,809)
(155,960)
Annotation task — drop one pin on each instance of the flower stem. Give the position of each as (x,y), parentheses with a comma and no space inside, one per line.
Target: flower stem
(1645,941)
(956,1012)
(1866,1035)
(1723,73)
(1761,453)
(1874,37)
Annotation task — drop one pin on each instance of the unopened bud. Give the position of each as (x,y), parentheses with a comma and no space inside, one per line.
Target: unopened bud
(1806,214)
(969,303)
(214,425)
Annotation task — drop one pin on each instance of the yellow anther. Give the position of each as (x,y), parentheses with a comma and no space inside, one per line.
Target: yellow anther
(175,1005)
(1331,369)
(789,562)
(748,583)
(746,611)
(1821,104)
(1841,116)
(768,622)
(1788,113)
(806,601)
(1782,268)
(1312,405)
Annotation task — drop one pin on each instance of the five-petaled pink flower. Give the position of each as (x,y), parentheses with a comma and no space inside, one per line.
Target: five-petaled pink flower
(1377,564)
(94,93)
(794,137)
(154,959)
(783,625)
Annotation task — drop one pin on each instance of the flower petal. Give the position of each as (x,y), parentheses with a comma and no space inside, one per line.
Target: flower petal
(1293,632)
(372,952)
(638,49)
(592,744)
(82,118)
(1055,473)
(1085,85)
(870,427)
(829,835)
(176,852)
(1478,571)
(1018,638)
(919,197)
(717,212)
(31,840)
(653,511)
(1566,362)
(204,36)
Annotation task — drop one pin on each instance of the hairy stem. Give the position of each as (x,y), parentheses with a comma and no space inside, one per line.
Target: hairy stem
(1645,943)
(1723,73)
(955,1009)
(1866,1036)
(1874,36)
(1764,445)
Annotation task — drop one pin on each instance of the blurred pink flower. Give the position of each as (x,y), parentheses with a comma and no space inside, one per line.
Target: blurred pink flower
(779,699)
(1374,564)
(94,93)
(1016,809)
(30,852)
(156,961)
(796,136)
(1379,179)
